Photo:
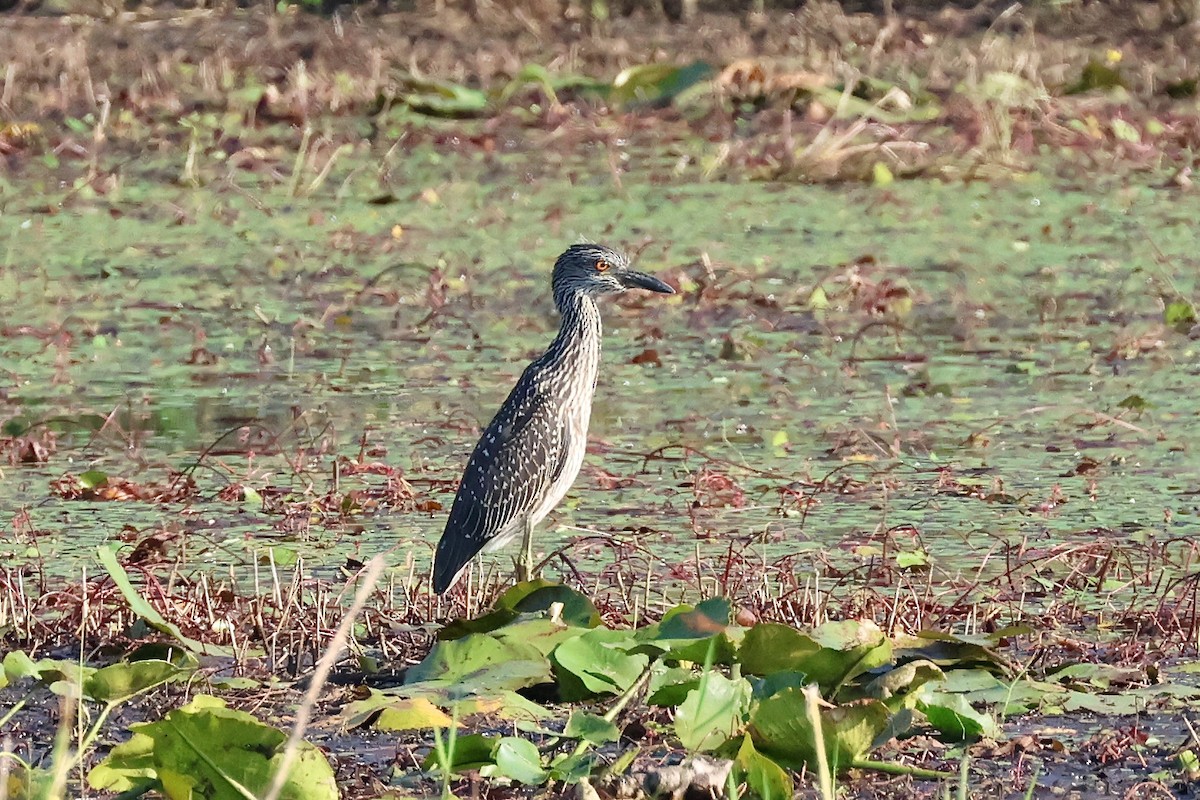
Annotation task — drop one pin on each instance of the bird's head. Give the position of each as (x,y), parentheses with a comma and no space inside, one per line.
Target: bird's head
(595,270)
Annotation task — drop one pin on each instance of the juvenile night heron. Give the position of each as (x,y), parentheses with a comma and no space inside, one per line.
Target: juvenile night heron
(532,450)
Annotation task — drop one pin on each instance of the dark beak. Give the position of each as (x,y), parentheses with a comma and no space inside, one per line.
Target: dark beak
(640,280)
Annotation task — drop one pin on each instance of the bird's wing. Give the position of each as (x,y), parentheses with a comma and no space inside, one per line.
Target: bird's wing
(520,455)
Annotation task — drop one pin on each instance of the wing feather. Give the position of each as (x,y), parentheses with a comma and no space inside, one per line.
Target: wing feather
(514,464)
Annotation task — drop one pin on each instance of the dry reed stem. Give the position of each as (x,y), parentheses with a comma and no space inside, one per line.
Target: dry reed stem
(373,570)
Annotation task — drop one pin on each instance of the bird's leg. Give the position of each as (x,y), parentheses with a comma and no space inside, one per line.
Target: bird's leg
(525,567)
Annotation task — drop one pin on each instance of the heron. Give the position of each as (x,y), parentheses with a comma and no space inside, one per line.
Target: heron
(532,450)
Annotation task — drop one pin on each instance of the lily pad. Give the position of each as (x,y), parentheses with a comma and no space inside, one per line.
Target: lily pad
(954,718)
(464,753)
(597,662)
(468,699)
(713,712)
(897,687)
(483,658)
(670,685)
(772,647)
(16,666)
(591,728)
(440,98)
(829,655)
(764,778)
(781,729)
(544,635)
(519,759)
(656,84)
(697,634)
(776,682)
(529,597)
(1179,315)
(119,682)
(395,713)
(205,750)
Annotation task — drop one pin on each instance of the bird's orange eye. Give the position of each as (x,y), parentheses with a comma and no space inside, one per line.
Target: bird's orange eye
(601,265)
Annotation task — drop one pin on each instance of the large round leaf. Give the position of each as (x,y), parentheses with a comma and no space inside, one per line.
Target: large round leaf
(463,752)
(519,759)
(954,717)
(713,712)
(205,750)
(765,778)
(386,713)
(780,727)
(829,655)
(542,634)
(898,687)
(121,681)
(699,634)
(670,685)
(482,658)
(591,728)
(771,647)
(525,600)
(597,662)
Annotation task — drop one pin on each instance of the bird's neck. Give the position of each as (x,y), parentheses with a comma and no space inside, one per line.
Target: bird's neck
(579,333)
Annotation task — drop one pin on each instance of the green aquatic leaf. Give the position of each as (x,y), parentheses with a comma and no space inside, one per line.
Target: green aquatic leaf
(386,713)
(1118,705)
(1096,75)
(765,779)
(598,662)
(205,750)
(468,697)
(773,647)
(656,83)
(519,759)
(830,654)
(1010,697)
(953,716)
(881,175)
(529,598)
(472,751)
(912,558)
(670,685)
(707,618)
(1188,762)
(139,605)
(64,678)
(1135,402)
(441,98)
(17,665)
(1100,676)
(897,687)
(482,659)
(696,634)
(93,479)
(28,783)
(573,607)
(776,682)
(543,635)
(1179,315)
(571,768)
(121,681)
(591,728)
(713,712)
(781,729)
(1124,131)
(955,651)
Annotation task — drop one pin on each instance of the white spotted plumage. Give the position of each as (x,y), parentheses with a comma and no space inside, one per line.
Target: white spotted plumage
(532,451)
